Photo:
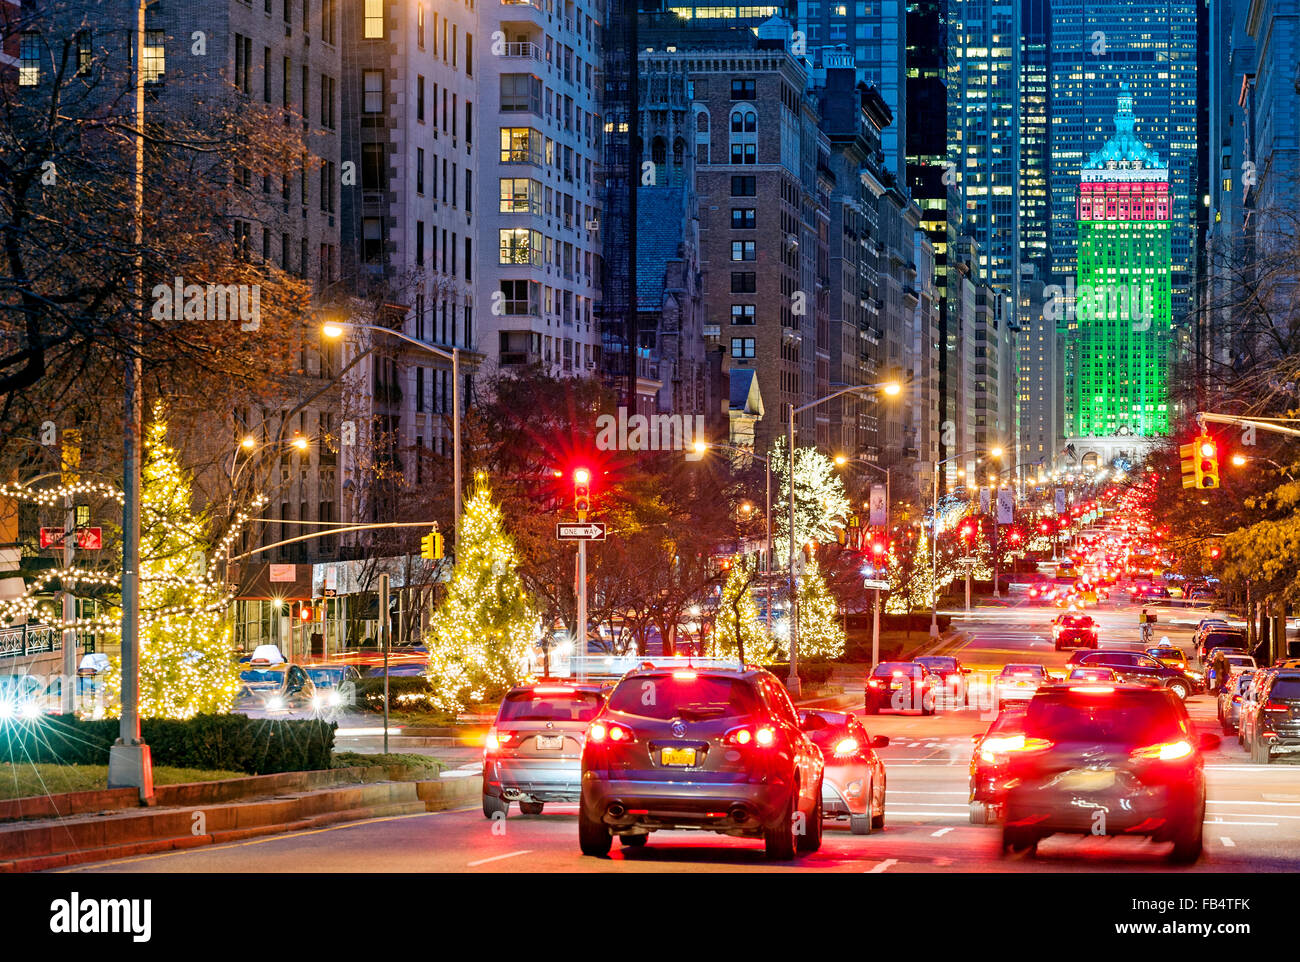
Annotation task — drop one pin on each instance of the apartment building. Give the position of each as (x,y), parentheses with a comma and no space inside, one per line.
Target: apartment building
(544,134)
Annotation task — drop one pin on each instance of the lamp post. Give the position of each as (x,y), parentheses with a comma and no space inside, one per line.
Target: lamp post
(890,388)
(934,538)
(130,763)
(700,448)
(336,328)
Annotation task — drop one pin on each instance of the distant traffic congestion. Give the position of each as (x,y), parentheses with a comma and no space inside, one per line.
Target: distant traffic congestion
(1092,725)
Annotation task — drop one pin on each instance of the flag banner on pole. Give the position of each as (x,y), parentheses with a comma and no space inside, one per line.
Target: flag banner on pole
(1060,500)
(1006,505)
(984,500)
(879,507)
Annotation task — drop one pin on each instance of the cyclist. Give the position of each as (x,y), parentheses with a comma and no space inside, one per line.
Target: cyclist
(1145,623)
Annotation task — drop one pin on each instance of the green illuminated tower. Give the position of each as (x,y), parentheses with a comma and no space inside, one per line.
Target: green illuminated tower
(1119,338)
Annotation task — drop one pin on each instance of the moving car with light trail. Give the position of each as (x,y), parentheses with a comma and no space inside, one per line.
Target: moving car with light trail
(711,749)
(853,781)
(533,751)
(988,764)
(1107,760)
(951,677)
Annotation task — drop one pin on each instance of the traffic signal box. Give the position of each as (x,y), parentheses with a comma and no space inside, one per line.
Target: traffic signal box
(431,546)
(582,492)
(1200,463)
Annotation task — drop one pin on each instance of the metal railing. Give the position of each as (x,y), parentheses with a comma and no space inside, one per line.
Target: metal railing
(29,640)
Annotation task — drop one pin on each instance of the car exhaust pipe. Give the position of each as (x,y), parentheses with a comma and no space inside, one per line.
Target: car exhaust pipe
(739,813)
(615,811)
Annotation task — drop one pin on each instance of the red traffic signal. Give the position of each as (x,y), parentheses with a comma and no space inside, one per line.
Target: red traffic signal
(582,492)
(878,548)
(303,611)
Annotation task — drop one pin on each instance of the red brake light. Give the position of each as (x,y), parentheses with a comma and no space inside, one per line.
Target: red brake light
(847,746)
(875,682)
(762,737)
(684,675)
(553,691)
(1094,690)
(1276,706)
(600,732)
(1165,752)
(491,743)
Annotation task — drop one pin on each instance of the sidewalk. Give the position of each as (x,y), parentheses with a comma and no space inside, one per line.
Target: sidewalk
(204,813)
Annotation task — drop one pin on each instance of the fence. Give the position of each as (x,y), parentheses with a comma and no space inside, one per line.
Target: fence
(29,640)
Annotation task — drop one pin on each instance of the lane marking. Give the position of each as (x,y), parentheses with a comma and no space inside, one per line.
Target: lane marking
(933,814)
(1219,821)
(497,858)
(941,833)
(1227,842)
(1211,801)
(882,867)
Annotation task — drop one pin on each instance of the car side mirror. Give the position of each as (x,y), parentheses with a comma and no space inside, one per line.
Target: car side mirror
(1210,741)
(880,741)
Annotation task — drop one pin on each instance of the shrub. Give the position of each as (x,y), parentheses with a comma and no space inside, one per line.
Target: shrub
(810,672)
(258,746)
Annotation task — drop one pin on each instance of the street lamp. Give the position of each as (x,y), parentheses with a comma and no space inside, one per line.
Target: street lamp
(1240,459)
(700,448)
(889,389)
(336,329)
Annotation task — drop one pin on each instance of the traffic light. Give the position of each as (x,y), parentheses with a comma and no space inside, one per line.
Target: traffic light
(582,492)
(1207,462)
(431,546)
(1215,551)
(303,612)
(968,530)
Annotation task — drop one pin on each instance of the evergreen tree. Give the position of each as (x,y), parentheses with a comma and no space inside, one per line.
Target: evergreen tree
(821,633)
(187,657)
(484,628)
(737,622)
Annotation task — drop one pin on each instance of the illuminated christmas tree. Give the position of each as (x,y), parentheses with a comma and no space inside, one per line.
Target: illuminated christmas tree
(483,631)
(187,658)
(737,620)
(821,633)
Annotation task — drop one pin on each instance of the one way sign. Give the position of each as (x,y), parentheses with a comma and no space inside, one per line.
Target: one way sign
(592,531)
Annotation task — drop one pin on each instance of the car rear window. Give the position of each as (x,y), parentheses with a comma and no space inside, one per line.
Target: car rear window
(1118,716)
(1011,671)
(550,706)
(1285,688)
(887,668)
(667,696)
(937,663)
(1223,639)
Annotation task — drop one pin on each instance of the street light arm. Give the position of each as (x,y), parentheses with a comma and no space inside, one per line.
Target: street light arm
(856,389)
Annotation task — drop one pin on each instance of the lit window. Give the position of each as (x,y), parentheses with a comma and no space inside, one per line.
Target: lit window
(155,57)
(29,60)
(374,28)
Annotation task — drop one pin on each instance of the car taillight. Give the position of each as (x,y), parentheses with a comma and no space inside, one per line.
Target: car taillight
(875,682)
(601,732)
(1165,752)
(994,746)
(847,746)
(491,742)
(684,675)
(1276,706)
(762,736)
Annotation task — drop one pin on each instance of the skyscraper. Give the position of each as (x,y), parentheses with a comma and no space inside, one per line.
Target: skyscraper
(984,133)
(1117,361)
(1151,46)
(875,35)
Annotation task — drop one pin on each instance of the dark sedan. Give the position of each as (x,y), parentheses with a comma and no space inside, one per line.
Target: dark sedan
(1137,668)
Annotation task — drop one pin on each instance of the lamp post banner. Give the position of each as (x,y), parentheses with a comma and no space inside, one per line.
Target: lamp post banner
(879,505)
(984,500)
(1006,505)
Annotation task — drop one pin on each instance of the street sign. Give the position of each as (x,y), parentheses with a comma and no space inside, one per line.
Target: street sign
(870,583)
(88,539)
(590,531)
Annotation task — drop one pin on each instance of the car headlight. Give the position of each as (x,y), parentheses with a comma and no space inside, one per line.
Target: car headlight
(30,710)
(275,703)
(336,698)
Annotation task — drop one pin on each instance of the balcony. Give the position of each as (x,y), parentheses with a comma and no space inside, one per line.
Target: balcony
(523,51)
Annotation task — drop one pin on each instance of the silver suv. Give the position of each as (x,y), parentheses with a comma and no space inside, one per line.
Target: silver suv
(533,751)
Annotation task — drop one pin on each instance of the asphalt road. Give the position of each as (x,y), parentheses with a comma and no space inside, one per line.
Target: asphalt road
(1253,812)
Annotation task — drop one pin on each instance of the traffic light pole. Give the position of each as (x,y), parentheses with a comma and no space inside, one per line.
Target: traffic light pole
(384,628)
(582,611)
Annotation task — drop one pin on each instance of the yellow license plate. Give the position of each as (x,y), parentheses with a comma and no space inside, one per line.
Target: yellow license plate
(898,684)
(678,756)
(1087,781)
